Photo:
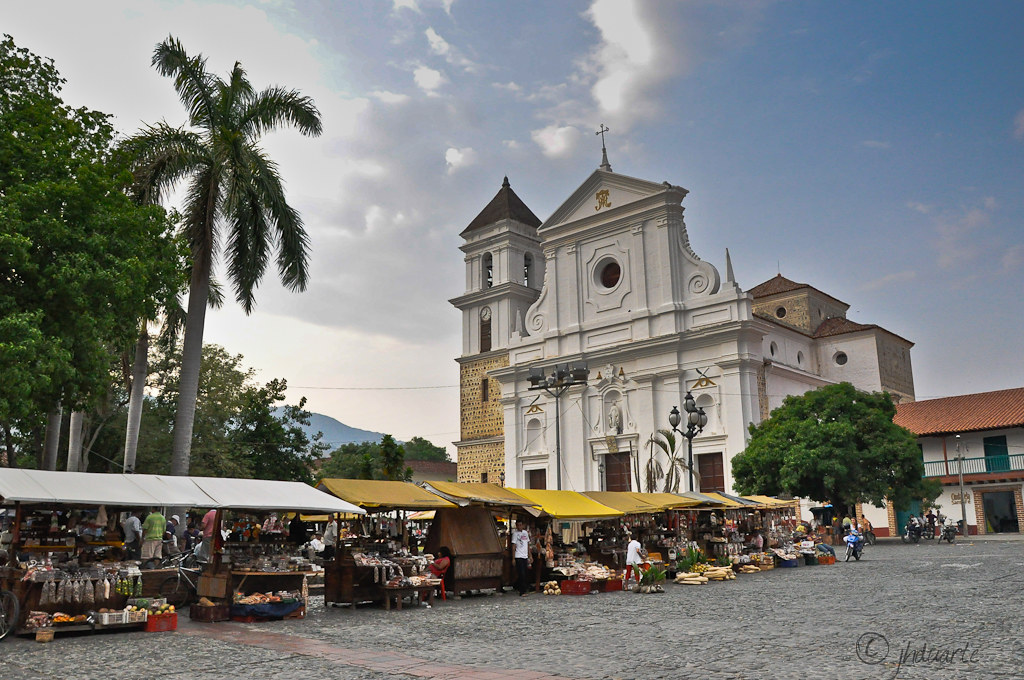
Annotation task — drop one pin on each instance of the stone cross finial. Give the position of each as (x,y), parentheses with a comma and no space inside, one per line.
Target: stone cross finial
(604,152)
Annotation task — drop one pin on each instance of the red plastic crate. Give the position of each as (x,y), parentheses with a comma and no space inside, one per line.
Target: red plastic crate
(575,587)
(611,585)
(162,623)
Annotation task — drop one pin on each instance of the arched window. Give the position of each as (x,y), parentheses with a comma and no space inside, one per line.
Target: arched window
(707,402)
(485,390)
(527,269)
(488,270)
(534,436)
(485,334)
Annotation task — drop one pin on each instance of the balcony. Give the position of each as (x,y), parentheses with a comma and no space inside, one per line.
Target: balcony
(993,467)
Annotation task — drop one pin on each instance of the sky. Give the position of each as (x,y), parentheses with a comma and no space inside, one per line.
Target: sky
(870,149)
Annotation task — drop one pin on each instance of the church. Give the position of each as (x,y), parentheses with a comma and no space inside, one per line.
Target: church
(608,289)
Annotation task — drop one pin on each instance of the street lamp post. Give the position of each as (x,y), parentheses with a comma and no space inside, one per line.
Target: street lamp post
(556,384)
(696,419)
(960,472)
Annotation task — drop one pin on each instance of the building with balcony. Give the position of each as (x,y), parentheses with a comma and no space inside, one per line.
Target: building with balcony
(982,437)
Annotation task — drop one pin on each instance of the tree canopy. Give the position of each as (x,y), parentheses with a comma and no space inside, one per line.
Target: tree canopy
(80,262)
(419,448)
(834,443)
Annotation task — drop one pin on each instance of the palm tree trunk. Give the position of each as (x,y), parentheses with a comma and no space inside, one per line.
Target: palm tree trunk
(8,447)
(52,442)
(75,442)
(191,358)
(139,370)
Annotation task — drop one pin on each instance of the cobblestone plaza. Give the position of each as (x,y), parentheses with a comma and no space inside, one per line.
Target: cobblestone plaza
(905,611)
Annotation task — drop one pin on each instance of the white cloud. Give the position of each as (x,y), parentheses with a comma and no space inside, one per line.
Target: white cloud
(875,144)
(389,97)
(510,144)
(917,206)
(459,158)
(1018,125)
(441,47)
(413,5)
(510,86)
(960,234)
(438,45)
(555,141)
(626,52)
(428,79)
(1013,258)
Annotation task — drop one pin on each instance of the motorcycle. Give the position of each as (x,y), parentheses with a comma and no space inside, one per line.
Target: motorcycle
(949,531)
(854,545)
(913,531)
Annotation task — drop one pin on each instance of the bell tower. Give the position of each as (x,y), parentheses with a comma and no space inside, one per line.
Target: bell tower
(504,273)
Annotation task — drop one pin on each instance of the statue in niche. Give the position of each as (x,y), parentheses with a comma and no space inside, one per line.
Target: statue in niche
(615,419)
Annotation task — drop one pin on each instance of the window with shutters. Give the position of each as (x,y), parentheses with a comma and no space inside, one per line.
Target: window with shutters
(616,472)
(712,472)
(536,479)
(485,335)
(485,391)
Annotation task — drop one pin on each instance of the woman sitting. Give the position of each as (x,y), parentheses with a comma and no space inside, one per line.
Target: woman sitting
(439,566)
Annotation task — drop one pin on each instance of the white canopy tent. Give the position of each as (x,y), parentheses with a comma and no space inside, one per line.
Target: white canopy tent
(89,488)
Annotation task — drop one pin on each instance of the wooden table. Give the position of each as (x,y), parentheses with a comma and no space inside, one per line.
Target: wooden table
(400,592)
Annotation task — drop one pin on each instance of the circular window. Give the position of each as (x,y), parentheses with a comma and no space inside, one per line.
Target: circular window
(840,358)
(609,273)
(773,348)
(780,312)
(799,358)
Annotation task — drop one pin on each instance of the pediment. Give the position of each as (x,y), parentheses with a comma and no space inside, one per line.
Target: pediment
(590,198)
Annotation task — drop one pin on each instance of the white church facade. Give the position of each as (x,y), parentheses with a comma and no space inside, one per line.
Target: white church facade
(610,281)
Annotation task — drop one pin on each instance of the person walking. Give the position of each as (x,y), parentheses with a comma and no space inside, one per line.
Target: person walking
(634,558)
(521,552)
(171,537)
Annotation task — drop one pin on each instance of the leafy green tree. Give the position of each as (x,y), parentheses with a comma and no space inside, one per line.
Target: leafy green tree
(79,260)
(234,198)
(419,448)
(392,460)
(278,445)
(834,443)
(353,461)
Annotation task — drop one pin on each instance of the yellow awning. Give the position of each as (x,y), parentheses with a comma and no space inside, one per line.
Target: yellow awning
(567,504)
(772,502)
(476,492)
(374,493)
(667,501)
(624,501)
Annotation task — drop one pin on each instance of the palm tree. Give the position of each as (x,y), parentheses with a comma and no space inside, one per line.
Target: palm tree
(666,442)
(235,198)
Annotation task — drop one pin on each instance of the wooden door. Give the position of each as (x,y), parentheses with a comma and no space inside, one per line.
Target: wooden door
(536,479)
(616,472)
(712,472)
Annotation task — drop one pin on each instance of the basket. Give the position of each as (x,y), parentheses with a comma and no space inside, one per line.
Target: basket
(162,623)
(136,617)
(44,635)
(112,618)
(219,612)
(575,587)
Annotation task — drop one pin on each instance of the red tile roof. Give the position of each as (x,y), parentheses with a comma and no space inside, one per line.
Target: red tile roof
(966,413)
(505,205)
(837,325)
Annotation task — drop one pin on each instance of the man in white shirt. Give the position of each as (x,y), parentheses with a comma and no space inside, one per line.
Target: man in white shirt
(316,544)
(521,551)
(330,539)
(634,558)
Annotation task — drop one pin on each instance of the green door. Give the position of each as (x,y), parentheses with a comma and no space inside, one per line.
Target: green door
(903,515)
(997,454)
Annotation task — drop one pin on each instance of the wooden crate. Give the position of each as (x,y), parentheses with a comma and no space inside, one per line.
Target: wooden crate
(213,586)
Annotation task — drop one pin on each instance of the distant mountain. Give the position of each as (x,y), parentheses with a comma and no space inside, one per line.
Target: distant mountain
(336,432)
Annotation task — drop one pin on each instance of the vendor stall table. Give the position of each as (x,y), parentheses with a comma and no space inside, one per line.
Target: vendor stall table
(398,593)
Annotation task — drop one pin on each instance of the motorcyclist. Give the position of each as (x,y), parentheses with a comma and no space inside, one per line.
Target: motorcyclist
(854,540)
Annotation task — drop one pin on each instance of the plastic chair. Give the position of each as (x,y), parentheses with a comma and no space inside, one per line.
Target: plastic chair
(444,595)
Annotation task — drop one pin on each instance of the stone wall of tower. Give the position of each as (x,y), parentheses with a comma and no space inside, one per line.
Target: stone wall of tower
(476,459)
(479,419)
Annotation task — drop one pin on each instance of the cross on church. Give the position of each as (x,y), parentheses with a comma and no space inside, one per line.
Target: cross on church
(604,152)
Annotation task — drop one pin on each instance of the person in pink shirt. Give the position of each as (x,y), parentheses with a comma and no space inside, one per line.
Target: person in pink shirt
(208,525)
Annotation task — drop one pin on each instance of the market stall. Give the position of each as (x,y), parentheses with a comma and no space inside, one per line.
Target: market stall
(479,558)
(565,518)
(654,519)
(256,570)
(67,566)
(374,559)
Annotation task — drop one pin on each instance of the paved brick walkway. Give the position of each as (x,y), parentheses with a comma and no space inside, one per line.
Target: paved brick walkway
(391,663)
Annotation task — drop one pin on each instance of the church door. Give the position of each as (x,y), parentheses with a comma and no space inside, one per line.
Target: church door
(537,479)
(712,473)
(616,472)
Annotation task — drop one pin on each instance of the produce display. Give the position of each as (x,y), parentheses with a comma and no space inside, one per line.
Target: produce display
(552,588)
(703,573)
(282,596)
